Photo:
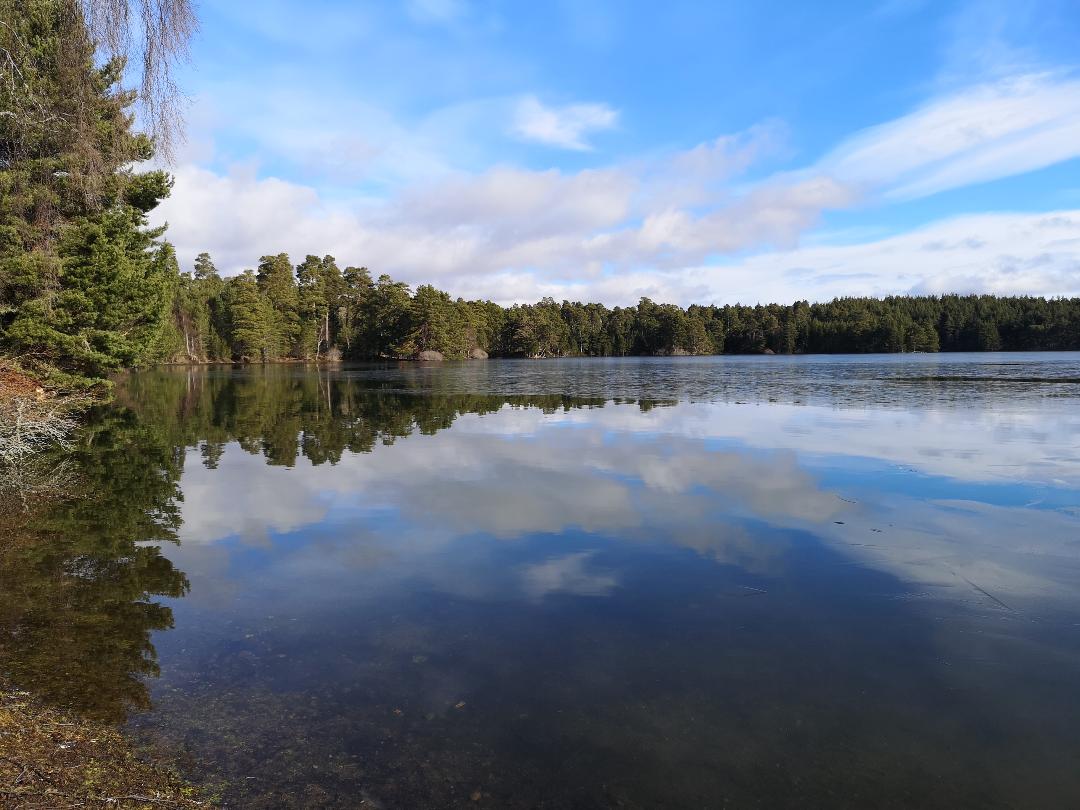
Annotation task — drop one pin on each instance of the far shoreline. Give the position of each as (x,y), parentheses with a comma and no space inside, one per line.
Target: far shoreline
(292,361)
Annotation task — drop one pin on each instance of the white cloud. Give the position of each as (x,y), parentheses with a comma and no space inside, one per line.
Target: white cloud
(516,236)
(664,225)
(1002,253)
(565,127)
(461,230)
(981,133)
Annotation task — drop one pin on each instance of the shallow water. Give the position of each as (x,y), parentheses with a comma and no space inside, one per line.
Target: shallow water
(695,582)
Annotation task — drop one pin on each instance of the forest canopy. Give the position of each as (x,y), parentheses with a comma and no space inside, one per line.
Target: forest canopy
(321,311)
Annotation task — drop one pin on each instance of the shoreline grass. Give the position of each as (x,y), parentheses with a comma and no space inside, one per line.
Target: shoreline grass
(53,759)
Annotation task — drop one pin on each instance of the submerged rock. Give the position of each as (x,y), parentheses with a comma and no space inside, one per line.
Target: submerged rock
(478,354)
(429,356)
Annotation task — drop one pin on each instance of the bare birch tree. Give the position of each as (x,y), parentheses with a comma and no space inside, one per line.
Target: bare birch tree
(152,36)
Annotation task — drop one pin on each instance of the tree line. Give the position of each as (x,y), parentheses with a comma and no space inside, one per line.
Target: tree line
(316,311)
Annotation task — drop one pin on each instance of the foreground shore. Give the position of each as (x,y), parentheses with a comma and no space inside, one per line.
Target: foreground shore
(50,759)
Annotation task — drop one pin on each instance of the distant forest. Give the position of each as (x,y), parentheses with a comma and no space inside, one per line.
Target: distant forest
(317,311)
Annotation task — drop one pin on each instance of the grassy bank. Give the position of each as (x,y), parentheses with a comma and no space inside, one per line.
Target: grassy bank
(49,759)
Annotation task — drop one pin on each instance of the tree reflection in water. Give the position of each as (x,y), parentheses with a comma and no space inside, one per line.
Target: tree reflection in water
(81,554)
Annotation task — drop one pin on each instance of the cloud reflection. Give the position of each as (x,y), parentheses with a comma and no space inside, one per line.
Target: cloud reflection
(567,574)
(707,477)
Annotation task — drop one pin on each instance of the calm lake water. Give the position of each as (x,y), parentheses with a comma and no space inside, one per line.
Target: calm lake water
(638,583)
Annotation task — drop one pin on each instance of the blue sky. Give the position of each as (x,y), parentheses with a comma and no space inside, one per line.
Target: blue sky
(688,151)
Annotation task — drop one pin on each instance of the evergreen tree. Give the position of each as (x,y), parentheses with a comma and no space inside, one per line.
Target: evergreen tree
(204,268)
(355,292)
(82,290)
(386,320)
(437,325)
(277,283)
(253,318)
(312,299)
(321,294)
(210,289)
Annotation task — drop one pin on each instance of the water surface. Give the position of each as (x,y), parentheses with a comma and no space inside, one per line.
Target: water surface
(695,582)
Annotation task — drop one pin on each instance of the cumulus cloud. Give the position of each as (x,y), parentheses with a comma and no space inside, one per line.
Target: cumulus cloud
(565,127)
(515,235)
(666,225)
(549,227)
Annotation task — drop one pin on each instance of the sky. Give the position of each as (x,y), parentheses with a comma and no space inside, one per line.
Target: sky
(596,150)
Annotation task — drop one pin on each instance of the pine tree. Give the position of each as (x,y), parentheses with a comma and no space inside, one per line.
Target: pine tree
(356,290)
(83,289)
(333,291)
(254,330)
(436,325)
(210,289)
(276,281)
(312,306)
(386,319)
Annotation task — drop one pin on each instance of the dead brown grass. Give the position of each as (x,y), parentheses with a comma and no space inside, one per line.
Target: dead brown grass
(49,759)
(15,384)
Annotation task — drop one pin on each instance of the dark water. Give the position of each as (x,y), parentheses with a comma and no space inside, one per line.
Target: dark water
(691,583)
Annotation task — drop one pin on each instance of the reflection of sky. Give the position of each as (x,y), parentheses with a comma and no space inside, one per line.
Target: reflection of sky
(883,602)
(970,504)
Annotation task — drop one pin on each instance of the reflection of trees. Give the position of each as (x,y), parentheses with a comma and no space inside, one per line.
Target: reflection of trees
(284,412)
(79,568)
(76,611)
